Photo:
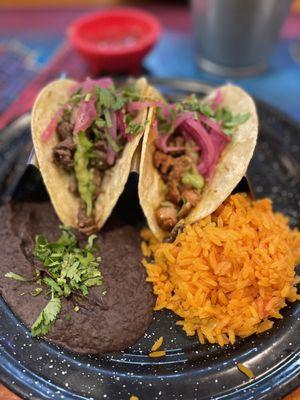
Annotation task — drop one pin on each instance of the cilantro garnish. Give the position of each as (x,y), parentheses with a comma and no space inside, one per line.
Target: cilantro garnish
(48,315)
(165,124)
(70,268)
(116,148)
(228,120)
(106,98)
(16,277)
(67,268)
(119,103)
(109,101)
(75,99)
(37,291)
(134,128)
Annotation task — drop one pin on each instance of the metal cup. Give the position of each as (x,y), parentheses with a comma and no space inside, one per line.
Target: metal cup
(235,37)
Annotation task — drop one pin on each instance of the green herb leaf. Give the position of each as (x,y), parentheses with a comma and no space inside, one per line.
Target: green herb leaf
(53,285)
(74,268)
(16,277)
(107,118)
(106,98)
(75,99)
(37,291)
(45,319)
(70,269)
(91,239)
(134,128)
(130,92)
(228,120)
(120,101)
(116,148)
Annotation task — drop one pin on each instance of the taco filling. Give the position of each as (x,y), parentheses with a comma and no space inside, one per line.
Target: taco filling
(92,129)
(189,140)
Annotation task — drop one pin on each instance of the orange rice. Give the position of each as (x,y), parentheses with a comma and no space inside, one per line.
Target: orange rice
(228,274)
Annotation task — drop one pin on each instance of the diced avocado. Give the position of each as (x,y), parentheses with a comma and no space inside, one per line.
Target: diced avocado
(194,179)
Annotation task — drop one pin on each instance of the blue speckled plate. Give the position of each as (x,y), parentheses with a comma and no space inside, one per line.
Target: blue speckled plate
(37,370)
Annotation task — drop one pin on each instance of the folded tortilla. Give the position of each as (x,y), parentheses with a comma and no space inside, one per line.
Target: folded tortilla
(66,204)
(231,167)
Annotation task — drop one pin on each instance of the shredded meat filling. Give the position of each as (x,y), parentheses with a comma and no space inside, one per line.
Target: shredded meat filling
(191,196)
(167,217)
(99,160)
(63,154)
(65,129)
(180,166)
(181,197)
(163,162)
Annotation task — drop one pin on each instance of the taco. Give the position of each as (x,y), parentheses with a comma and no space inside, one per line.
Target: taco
(193,155)
(85,135)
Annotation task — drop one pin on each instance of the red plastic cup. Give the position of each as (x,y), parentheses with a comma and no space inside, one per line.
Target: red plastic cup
(115,40)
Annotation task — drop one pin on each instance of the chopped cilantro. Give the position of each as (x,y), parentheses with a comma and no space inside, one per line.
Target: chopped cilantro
(107,118)
(130,92)
(47,316)
(53,285)
(228,120)
(69,269)
(106,98)
(134,128)
(76,98)
(16,277)
(116,148)
(165,125)
(120,101)
(37,291)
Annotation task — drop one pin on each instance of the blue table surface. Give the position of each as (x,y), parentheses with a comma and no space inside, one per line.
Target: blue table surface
(174,56)
(279,85)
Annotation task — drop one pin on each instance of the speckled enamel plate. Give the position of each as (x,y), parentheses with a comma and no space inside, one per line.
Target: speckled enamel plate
(37,370)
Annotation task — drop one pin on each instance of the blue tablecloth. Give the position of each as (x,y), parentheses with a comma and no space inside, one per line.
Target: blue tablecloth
(31,43)
(279,85)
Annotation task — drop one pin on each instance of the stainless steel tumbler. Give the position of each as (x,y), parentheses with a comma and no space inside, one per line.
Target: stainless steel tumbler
(235,37)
